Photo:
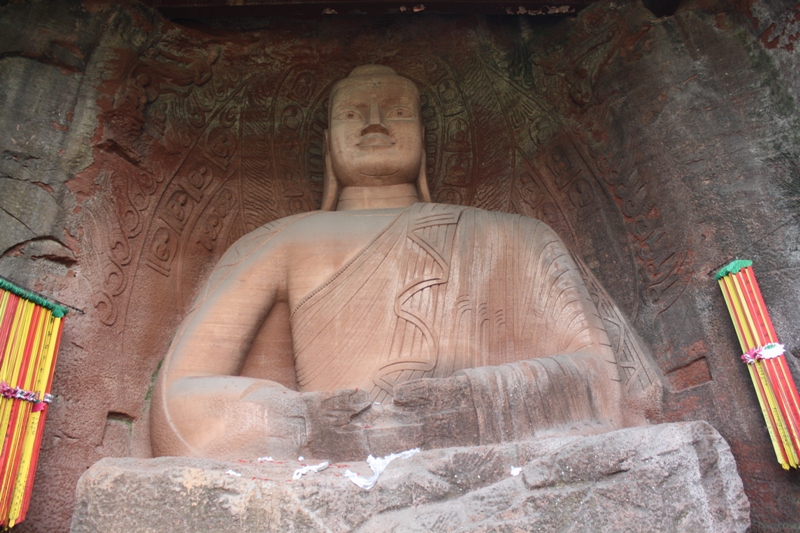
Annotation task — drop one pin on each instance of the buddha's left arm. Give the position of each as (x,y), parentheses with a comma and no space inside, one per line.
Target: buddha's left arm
(561,394)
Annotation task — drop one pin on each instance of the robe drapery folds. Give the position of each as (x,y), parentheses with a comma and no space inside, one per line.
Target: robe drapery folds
(441,289)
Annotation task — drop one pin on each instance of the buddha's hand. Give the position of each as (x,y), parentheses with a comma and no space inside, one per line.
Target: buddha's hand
(556,395)
(332,430)
(316,425)
(432,413)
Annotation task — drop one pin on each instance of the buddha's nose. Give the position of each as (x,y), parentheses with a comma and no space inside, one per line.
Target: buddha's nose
(375,121)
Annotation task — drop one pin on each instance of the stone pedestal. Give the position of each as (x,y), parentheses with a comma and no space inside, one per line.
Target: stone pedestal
(670,477)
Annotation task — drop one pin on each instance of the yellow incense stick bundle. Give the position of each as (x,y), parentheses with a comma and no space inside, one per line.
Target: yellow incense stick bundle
(30,332)
(773,383)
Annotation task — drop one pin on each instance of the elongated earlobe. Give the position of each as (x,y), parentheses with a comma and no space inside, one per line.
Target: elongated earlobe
(422,184)
(330,186)
(422,181)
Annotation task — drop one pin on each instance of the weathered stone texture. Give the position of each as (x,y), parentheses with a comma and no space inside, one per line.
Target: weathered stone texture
(658,148)
(34,131)
(671,477)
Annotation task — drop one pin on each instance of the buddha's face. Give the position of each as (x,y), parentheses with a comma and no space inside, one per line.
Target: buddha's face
(375,131)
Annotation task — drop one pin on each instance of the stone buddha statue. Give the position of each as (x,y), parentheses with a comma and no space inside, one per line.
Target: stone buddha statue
(384,321)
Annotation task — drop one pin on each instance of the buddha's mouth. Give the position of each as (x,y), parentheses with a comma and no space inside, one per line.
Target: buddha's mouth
(375,139)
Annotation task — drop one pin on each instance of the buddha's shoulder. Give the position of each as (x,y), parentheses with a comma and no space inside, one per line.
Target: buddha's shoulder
(260,235)
(257,239)
(479,215)
(312,227)
(245,252)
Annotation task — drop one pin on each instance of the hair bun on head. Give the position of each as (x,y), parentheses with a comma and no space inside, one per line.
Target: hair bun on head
(371,70)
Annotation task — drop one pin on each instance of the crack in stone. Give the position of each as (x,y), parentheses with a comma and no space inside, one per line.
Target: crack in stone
(18,220)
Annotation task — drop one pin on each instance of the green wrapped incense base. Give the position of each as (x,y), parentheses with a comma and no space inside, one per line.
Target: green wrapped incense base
(733,268)
(58,310)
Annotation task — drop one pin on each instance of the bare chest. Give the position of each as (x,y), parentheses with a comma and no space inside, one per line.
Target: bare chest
(323,245)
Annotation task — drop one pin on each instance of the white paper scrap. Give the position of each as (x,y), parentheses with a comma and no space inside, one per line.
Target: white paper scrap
(266,460)
(233,473)
(300,472)
(515,470)
(377,466)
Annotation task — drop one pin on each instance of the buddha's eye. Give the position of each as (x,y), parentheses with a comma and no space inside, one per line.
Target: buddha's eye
(400,113)
(348,114)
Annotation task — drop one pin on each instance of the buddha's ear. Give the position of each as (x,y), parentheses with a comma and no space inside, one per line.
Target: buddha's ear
(422,180)
(330,186)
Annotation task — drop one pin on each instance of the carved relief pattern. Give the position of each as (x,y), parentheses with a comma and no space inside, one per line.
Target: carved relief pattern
(130,189)
(663,260)
(419,303)
(296,93)
(634,360)
(154,206)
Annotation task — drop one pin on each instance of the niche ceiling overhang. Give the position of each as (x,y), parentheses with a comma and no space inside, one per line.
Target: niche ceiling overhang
(256,8)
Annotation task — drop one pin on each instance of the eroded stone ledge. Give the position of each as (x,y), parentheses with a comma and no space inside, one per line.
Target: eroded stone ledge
(669,477)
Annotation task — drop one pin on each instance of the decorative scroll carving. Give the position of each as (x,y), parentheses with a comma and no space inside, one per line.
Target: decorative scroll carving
(212,225)
(111,246)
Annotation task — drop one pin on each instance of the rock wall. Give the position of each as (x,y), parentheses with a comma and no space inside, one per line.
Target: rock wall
(134,150)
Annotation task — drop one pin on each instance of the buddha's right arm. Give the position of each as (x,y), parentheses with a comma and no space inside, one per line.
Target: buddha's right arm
(231,418)
(201,406)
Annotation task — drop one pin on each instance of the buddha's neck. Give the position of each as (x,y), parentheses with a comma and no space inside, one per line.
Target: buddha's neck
(383,197)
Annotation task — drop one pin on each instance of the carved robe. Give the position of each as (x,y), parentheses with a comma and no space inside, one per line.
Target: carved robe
(444,288)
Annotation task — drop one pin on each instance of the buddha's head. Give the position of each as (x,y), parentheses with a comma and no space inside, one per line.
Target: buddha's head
(375,134)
